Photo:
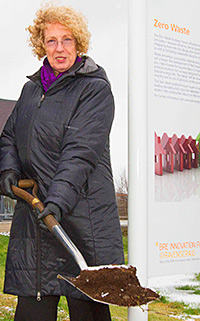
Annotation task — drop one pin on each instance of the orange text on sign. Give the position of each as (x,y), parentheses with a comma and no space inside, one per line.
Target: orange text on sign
(172,26)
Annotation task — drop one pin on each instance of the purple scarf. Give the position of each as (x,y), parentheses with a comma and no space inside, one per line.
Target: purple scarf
(47,74)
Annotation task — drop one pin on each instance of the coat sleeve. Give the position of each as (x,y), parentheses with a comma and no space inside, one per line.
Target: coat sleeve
(83,144)
(9,159)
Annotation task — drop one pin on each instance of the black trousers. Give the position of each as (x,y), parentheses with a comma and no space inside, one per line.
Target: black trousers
(29,309)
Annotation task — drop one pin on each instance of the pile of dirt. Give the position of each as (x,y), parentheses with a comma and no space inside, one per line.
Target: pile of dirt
(116,285)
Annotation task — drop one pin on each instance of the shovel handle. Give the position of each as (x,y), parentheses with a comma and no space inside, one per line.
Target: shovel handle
(49,220)
(33,200)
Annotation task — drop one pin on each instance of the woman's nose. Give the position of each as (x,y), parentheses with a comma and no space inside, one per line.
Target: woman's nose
(60,46)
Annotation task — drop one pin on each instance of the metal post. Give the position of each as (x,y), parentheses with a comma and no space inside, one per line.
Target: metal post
(137,190)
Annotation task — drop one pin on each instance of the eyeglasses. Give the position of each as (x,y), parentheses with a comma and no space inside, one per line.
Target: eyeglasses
(66,43)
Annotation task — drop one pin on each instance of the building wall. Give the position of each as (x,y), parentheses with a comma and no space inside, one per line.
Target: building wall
(6,204)
(6,107)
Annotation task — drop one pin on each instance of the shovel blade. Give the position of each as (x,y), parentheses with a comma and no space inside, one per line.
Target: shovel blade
(72,281)
(112,284)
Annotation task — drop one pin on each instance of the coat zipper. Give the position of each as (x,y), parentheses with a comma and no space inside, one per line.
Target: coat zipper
(30,131)
(41,100)
(38,269)
(38,237)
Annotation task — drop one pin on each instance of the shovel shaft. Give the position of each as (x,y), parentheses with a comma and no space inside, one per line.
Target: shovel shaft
(49,220)
(69,245)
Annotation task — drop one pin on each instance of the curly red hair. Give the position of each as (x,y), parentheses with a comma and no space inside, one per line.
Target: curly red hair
(68,17)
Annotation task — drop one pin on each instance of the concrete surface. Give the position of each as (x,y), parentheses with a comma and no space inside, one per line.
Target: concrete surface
(5,227)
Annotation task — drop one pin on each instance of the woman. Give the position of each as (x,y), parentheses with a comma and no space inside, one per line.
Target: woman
(58,134)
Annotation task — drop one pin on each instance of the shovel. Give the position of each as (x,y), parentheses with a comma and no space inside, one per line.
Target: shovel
(109,284)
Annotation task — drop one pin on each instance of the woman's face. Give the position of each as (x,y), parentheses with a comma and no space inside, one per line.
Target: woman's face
(60,46)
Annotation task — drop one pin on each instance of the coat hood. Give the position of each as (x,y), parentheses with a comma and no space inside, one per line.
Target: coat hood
(91,69)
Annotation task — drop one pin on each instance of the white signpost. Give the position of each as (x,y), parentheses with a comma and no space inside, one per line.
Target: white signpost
(173,109)
(164,99)
(137,193)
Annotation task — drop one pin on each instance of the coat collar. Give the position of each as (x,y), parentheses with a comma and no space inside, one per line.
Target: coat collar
(86,67)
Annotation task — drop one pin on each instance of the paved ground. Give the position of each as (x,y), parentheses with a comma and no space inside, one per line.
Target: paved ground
(5,227)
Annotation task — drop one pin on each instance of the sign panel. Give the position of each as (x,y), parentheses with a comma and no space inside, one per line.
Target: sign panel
(173,137)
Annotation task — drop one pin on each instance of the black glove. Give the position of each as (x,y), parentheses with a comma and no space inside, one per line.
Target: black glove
(7,179)
(52,209)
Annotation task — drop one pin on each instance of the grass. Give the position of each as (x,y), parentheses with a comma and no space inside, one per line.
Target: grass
(164,308)
(3,246)
(191,288)
(197,277)
(188,288)
(160,310)
(7,302)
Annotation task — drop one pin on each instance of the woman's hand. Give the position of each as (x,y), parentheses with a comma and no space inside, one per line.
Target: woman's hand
(7,179)
(52,209)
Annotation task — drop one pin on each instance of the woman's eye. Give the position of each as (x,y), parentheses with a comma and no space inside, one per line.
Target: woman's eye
(51,41)
(67,42)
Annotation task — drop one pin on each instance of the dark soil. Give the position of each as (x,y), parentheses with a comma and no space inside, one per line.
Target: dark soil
(118,286)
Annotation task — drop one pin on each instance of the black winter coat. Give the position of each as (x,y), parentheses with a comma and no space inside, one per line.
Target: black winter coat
(62,141)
